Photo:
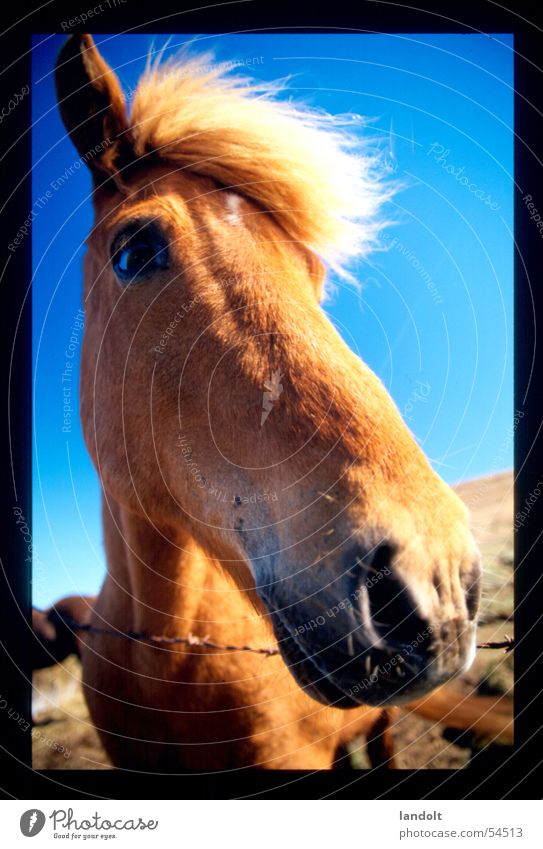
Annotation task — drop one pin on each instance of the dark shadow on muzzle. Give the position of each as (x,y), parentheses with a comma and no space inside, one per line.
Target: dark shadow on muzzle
(360,639)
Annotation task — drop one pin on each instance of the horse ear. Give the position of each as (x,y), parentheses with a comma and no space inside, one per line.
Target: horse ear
(92,106)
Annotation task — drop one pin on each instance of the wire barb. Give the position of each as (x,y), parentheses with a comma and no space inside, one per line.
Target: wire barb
(508,644)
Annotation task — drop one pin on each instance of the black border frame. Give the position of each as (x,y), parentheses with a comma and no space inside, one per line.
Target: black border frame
(519,777)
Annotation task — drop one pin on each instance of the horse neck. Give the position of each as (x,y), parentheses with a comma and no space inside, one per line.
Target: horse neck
(160,581)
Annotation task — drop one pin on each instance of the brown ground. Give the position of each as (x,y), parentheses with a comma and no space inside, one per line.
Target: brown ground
(64,737)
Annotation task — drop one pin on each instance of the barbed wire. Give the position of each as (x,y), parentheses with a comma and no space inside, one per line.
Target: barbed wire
(508,644)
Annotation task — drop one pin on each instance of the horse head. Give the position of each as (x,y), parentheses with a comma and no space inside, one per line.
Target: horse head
(217,397)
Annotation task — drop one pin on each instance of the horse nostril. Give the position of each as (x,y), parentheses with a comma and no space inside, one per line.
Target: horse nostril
(382,559)
(391,608)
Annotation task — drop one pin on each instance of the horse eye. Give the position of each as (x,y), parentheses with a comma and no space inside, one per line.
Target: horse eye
(138,252)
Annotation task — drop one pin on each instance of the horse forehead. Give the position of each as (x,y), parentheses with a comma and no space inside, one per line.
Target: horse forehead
(167,206)
(173,193)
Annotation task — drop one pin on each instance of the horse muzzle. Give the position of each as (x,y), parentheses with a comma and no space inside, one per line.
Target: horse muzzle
(361,640)
(351,671)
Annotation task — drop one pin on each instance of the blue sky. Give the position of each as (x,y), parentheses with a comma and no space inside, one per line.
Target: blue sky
(434,313)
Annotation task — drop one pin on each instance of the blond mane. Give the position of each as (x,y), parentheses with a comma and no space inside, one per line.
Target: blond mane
(318,180)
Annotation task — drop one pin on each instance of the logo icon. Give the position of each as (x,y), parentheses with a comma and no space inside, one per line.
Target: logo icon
(32,822)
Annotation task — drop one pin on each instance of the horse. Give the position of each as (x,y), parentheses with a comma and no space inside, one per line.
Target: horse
(259,486)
